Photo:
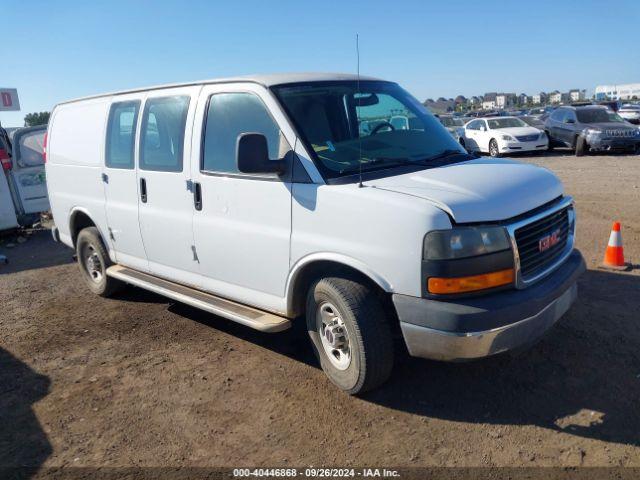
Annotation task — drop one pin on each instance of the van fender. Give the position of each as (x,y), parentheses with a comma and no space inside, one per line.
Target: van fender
(73,213)
(337,258)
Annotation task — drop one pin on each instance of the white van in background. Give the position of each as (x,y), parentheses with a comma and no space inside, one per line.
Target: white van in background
(23,189)
(264,199)
(26,174)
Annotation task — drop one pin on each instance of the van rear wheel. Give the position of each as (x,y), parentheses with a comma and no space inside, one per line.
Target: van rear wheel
(93,261)
(349,333)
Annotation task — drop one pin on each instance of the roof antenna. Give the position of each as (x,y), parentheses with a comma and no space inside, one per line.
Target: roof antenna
(358,111)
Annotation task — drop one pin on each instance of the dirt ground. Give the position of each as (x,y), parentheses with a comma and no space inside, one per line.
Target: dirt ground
(141,381)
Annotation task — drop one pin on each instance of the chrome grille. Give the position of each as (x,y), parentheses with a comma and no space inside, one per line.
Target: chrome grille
(620,133)
(529,238)
(528,138)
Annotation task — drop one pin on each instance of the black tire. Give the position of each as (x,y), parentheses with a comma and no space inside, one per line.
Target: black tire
(549,142)
(581,146)
(368,336)
(493,148)
(93,261)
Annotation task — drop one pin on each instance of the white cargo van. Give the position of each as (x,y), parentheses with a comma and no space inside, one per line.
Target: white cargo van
(263,200)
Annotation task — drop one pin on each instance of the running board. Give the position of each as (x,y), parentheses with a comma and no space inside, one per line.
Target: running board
(249,316)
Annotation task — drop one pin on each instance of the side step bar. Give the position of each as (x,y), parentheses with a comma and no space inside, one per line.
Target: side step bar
(249,316)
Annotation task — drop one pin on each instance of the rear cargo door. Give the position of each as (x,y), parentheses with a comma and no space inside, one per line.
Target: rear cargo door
(121,184)
(27,175)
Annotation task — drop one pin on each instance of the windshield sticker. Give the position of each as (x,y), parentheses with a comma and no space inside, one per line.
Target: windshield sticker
(330,146)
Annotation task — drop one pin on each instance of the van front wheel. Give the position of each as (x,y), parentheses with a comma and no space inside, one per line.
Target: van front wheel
(350,334)
(93,261)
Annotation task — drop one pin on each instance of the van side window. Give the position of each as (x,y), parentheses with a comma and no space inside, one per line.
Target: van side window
(229,115)
(121,132)
(162,133)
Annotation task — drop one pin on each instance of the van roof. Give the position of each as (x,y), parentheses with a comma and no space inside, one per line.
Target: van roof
(267,80)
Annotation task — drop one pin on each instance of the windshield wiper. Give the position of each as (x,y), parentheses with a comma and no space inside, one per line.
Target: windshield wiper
(439,158)
(379,162)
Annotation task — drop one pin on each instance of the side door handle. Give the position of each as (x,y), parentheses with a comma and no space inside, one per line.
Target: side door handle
(143,190)
(197,196)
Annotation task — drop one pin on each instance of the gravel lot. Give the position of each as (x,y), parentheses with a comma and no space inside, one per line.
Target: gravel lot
(141,381)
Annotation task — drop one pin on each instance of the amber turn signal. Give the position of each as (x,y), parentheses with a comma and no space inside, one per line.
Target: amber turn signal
(470,284)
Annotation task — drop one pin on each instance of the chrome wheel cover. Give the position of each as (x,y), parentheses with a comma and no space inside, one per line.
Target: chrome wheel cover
(92,263)
(333,335)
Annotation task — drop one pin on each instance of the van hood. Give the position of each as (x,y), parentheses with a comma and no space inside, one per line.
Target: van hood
(479,190)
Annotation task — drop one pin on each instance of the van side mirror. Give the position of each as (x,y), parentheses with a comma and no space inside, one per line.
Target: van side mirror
(252,155)
(483,128)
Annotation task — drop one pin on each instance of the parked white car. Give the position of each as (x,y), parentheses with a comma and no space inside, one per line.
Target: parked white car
(630,113)
(503,135)
(257,199)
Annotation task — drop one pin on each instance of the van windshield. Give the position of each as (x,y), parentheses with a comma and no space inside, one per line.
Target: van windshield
(371,126)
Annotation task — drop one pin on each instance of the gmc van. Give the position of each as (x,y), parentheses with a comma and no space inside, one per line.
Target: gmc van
(264,200)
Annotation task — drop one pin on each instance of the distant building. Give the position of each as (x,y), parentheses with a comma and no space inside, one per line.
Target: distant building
(505,100)
(555,97)
(475,101)
(523,99)
(539,98)
(489,105)
(489,101)
(577,95)
(627,91)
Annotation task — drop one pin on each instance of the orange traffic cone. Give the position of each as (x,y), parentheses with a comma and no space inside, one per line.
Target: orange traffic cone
(614,254)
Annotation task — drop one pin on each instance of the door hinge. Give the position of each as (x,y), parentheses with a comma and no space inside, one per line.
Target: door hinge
(195,254)
(105,178)
(111,236)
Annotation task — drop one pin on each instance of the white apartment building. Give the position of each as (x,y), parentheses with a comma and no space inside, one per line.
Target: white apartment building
(489,105)
(577,95)
(504,100)
(555,97)
(625,91)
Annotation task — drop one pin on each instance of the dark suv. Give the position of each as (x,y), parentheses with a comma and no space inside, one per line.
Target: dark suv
(590,128)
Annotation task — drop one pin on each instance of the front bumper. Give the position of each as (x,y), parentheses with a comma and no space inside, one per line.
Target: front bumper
(607,144)
(477,327)
(536,145)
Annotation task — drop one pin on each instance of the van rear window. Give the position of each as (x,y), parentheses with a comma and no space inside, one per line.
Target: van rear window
(31,149)
(121,133)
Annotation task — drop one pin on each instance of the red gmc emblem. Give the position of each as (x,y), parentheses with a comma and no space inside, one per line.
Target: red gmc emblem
(548,241)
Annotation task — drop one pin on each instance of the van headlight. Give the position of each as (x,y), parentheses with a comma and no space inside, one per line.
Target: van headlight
(464,242)
(508,138)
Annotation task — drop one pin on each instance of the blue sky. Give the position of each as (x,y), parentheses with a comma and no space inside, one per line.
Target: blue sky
(54,51)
